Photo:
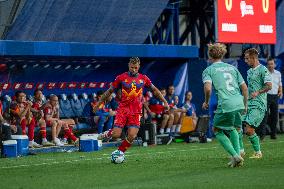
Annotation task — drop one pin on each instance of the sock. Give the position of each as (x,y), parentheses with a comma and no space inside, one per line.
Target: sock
(23,126)
(178,128)
(173,130)
(31,132)
(241,140)
(44,140)
(43,132)
(168,130)
(70,135)
(109,133)
(124,145)
(254,139)
(162,131)
(234,138)
(226,143)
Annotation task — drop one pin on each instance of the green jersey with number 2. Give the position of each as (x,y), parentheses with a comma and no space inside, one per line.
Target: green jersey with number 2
(226,81)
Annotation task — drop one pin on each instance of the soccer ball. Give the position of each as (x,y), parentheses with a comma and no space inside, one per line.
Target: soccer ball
(117,157)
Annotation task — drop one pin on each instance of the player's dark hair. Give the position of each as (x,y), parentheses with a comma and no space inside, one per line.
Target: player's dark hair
(270,59)
(100,93)
(17,93)
(36,91)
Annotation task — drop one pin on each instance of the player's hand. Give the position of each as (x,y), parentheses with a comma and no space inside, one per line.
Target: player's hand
(167,108)
(152,114)
(254,94)
(280,95)
(13,128)
(205,106)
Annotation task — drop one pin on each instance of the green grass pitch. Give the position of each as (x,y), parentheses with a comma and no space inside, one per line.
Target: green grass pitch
(175,166)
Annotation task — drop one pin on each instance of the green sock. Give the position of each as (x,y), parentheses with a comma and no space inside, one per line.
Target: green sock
(254,139)
(234,138)
(226,143)
(241,140)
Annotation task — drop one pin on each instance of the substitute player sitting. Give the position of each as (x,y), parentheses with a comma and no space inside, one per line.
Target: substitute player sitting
(129,110)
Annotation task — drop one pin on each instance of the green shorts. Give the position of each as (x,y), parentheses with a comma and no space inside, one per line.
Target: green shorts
(228,121)
(254,117)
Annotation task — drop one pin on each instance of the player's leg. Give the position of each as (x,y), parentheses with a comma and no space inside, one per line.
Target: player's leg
(273,117)
(68,132)
(109,122)
(31,126)
(225,121)
(133,124)
(54,132)
(119,122)
(253,120)
(131,135)
(42,126)
(164,122)
(170,122)
(177,121)
(234,134)
(101,122)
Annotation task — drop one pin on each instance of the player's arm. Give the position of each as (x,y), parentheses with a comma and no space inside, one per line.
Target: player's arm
(280,90)
(207,94)
(103,98)
(20,114)
(159,95)
(265,89)
(267,83)
(244,90)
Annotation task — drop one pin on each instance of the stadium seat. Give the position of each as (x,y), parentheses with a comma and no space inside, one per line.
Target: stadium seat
(76,105)
(6,102)
(86,106)
(65,106)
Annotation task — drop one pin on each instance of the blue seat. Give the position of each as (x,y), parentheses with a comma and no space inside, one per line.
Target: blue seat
(76,105)
(86,106)
(65,106)
(6,102)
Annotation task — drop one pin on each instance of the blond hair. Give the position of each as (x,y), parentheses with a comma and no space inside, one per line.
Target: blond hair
(216,50)
(134,60)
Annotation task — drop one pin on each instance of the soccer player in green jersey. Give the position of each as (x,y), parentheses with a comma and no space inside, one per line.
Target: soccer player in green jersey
(259,83)
(228,84)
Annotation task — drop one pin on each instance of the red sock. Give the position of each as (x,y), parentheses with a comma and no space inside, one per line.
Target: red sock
(124,145)
(23,126)
(43,131)
(31,132)
(69,134)
(109,133)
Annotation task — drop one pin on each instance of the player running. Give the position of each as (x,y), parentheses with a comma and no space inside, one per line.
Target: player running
(259,83)
(227,82)
(129,111)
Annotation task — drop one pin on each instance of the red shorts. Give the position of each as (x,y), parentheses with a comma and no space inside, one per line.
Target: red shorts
(48,123)
(124,118)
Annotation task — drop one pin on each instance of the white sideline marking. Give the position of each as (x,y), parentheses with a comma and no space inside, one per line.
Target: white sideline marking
(100,158)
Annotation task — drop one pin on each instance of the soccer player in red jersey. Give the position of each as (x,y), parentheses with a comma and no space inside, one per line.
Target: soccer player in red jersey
(51,116)
(21,114)
(39,116)
(129,111)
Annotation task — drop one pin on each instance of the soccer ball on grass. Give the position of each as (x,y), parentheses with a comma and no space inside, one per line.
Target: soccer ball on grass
(117,157)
